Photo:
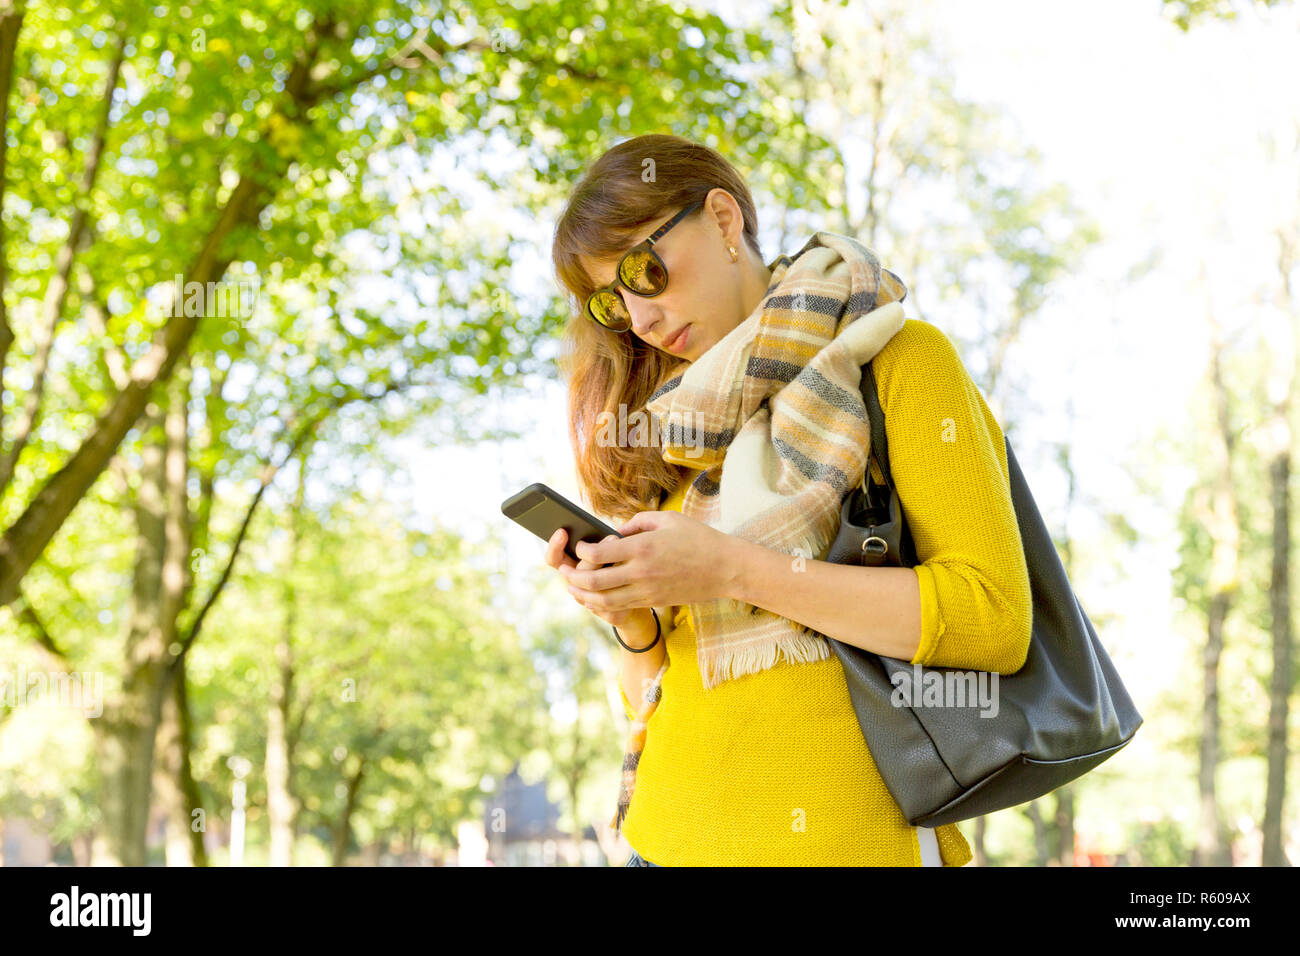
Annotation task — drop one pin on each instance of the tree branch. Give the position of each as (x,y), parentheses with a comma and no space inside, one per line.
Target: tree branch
(11,21)
(404,59)
(294,734)
(114,359)
(269,471)
(27,537)
(207,476)
(29,616)
(56,292)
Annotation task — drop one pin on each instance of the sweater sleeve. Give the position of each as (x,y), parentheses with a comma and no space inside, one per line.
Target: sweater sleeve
(947,457)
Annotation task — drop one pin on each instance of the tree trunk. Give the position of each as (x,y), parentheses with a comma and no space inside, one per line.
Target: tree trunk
(175,590)
(1210,845)
(1282,386)
(83,849)
(127,730)
(178,792)
(279,799)
(167,785)
(1273,853)
(343,832)
(1040,833)
(160,580)
(11,21)
(279,755)
(125,743)
(1065,824)
(195,818)
(1224,531)
(574,855)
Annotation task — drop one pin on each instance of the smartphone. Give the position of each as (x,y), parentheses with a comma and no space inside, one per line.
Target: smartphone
(542,510)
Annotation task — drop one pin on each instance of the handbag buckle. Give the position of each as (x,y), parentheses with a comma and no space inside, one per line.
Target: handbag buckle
(874,550)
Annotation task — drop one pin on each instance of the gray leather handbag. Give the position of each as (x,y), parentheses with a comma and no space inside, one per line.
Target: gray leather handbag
(1056,718)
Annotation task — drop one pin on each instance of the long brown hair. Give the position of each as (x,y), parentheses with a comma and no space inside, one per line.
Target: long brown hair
(632,184)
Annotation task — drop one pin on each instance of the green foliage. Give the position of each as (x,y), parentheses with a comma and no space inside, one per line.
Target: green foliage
(395,659)
(1162,843)
(581,746)
(1186,14)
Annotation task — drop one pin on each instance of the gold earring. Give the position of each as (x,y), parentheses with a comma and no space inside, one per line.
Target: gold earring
(732,250)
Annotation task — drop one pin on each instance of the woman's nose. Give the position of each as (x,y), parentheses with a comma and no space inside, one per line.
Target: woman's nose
(645,313)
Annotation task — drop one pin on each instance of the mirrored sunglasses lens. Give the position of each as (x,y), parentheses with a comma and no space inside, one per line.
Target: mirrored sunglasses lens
(643,272)
(609,311)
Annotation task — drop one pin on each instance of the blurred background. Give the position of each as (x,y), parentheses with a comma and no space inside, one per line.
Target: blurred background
(278,331)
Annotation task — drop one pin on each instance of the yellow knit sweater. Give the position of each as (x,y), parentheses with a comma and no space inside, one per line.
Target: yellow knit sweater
(771,769)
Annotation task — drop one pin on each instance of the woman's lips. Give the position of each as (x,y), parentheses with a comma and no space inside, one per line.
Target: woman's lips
(679,343)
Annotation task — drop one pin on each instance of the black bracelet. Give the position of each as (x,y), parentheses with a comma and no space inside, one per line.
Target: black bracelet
(641,650)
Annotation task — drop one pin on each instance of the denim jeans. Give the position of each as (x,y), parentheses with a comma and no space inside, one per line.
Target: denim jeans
(636,859)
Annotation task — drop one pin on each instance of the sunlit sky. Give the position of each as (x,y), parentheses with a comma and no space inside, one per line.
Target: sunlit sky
(1157,135)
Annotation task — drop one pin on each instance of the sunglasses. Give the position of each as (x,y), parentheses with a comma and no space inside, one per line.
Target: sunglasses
(640,271)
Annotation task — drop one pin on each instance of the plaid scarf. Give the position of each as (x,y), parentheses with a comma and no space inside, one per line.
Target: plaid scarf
(773,413)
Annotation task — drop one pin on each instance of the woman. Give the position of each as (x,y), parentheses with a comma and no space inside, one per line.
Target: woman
(745,748)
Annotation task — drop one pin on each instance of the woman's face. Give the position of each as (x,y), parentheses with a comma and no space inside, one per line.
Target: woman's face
(705,296)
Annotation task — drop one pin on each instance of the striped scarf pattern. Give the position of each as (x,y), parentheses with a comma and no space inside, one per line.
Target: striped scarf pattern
(773,414)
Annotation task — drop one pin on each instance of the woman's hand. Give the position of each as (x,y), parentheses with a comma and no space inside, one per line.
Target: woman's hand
(664,558)
(631,620)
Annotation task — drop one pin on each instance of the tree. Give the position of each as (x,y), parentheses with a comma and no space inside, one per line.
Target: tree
(251,144)
(249,121)
(578,741)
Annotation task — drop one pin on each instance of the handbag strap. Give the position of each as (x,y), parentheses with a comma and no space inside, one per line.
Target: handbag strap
(882,495)
(879,440)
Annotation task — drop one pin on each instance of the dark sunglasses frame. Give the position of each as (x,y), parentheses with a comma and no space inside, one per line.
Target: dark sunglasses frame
(647,246)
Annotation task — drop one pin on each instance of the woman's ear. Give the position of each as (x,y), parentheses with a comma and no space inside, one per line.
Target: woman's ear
(726,215)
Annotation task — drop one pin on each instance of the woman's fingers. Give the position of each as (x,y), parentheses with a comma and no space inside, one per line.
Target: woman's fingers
(555,555)
(553,546)
(557,558)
